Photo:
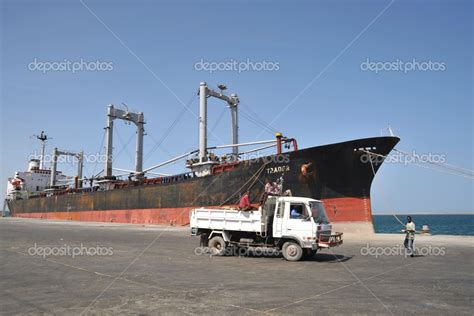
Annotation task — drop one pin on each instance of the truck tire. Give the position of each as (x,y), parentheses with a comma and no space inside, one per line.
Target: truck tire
(217,246)
(292,251)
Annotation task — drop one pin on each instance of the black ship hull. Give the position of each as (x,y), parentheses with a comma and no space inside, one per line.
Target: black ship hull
(339,174)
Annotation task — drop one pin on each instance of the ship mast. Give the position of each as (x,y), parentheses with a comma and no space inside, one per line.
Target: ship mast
(42,138)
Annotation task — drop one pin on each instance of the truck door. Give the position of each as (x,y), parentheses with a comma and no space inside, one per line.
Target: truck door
(298,220)
(278,219)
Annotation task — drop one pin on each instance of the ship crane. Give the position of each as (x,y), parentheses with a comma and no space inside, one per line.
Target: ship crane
(80,164)
(139,120)
(232,102)
(273,142)
(202,165)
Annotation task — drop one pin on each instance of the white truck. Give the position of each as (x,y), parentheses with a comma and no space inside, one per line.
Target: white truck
(296,226)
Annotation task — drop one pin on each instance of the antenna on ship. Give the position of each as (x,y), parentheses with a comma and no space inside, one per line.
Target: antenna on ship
(43,138)
(389,128)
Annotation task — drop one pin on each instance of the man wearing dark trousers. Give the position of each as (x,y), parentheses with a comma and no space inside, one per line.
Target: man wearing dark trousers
(409,236)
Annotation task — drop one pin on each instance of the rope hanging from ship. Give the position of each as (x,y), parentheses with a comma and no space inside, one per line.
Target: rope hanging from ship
(461,172)
(454,170)
(255,177)
(442,167)
(124,147)
(383,195)
(168,131)
(100,152)
(252,116)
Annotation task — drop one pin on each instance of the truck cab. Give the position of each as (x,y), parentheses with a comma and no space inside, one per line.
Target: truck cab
(299,218)
(297,226)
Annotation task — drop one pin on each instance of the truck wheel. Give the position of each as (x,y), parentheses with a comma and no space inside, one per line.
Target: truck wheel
(217,246)
(292,251)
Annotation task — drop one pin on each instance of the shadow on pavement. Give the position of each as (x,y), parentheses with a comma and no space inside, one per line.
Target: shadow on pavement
(329,257)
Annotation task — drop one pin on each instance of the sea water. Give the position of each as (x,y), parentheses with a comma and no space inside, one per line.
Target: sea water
(438,224)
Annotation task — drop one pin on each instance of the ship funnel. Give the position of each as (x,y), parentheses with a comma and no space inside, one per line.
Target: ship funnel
(33,164)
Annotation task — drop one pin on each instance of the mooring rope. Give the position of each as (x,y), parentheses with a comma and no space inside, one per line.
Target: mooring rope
(441,167)
(383,195)
(254,177)
(101,147)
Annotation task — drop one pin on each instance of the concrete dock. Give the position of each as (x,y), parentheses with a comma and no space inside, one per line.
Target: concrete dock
(53,267)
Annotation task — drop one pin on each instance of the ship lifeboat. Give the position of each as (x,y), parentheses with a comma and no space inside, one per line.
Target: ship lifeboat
(16,183)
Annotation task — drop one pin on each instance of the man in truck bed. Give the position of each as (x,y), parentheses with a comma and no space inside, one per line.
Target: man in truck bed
(244,204)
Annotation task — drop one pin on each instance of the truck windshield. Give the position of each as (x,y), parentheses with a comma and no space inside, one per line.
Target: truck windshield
(318,213)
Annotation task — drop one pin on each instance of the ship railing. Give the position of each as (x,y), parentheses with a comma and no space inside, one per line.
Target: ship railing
(160,180)
(122,184)
(225,167)
(62,192)
(171,179)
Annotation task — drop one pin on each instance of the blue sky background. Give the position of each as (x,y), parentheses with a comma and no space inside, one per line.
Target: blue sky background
(432,111)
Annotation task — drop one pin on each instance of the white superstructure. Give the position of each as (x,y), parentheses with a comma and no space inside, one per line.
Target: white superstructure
(31,182)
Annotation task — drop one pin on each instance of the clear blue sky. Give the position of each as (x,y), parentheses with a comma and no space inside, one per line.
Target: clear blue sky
(319,45)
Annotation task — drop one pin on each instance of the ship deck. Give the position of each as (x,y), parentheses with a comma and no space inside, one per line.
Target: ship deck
(154,269)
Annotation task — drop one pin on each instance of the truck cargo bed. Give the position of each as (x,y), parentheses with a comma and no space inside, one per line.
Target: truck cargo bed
(226,219)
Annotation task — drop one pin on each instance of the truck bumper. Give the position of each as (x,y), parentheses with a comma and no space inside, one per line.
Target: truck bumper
(329,241)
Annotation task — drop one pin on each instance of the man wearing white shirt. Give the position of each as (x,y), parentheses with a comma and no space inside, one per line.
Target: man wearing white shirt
(410,235)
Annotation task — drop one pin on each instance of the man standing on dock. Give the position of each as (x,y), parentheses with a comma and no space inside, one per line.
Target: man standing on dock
(410,236)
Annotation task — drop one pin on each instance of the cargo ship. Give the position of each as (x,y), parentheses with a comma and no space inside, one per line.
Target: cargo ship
(338,174)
